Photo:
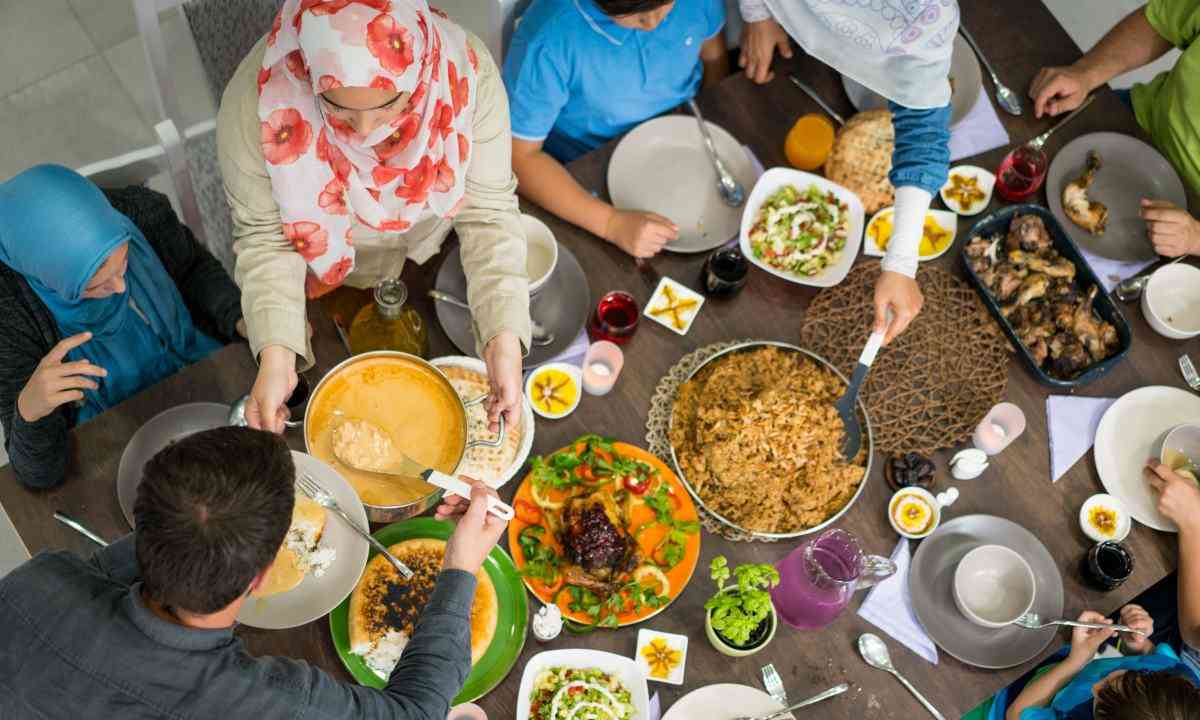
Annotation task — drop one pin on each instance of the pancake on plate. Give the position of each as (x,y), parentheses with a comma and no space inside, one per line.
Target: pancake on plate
(384,608)
(862,158)
(482,463)
(301,552)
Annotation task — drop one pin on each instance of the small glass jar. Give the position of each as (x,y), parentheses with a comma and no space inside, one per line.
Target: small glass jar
(390,324)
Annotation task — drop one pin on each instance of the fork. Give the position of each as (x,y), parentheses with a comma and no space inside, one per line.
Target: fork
(1189,372)
(321,496)
(774,684)
(1033,621)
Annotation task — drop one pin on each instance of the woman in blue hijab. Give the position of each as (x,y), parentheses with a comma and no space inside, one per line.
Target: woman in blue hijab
(102,307)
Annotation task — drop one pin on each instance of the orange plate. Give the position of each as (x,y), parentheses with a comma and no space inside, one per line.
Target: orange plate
(679,576)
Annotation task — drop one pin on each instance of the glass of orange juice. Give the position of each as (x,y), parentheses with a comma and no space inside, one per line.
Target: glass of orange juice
(809,141)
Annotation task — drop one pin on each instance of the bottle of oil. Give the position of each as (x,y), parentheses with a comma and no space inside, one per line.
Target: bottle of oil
(389,324)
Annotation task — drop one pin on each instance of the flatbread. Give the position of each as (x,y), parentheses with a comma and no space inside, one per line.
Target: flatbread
(862,158)
(483,463)
(384,601)
(289,567)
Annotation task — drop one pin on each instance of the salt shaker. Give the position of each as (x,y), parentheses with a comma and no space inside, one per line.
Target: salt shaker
(547,623)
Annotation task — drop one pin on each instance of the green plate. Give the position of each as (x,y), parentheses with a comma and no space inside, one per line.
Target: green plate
(511,620)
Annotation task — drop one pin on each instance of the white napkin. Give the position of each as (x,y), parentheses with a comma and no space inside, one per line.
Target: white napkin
(888,606)
(655,709)
(1112,272)
(1072,421)
(979,131)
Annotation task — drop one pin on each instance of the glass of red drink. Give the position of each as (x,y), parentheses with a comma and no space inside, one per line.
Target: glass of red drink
(615,318)
(1021,173)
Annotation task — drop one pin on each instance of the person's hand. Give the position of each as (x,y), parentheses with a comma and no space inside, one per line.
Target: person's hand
(759,41)
(1086,642)
(477,530)
(1056,90)
(266,409)
(900,296)
(1178,497)
(1172,229)
(640,234)
(1136,617)
(503,358)
(55,382)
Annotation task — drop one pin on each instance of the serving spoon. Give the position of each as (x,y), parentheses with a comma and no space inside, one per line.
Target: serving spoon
(846,405)
(875,653)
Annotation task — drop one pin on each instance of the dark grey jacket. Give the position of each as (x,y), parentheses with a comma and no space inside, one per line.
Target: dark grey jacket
(77,642)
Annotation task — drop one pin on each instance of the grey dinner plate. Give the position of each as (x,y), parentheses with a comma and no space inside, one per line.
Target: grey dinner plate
(931,585)
(1130,170)
(964,71)
(158,432)
(561,306)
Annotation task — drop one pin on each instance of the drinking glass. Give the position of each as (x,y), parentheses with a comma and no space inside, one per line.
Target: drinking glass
(724,273)
(1107,565)
(1021,173)
(615,318)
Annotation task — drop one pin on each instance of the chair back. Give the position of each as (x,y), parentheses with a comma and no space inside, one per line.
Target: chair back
(225,31)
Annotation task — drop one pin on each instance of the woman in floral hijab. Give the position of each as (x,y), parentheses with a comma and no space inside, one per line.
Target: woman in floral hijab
(354,135)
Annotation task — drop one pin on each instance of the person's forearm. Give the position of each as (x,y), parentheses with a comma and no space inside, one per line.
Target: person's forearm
(1189,584)
(1131,43)
(545,181)
(1039,692)
(37,450)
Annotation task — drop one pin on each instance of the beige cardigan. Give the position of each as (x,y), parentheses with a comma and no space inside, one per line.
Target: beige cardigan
(271,273)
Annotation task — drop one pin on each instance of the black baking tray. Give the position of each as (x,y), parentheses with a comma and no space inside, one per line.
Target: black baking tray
(1085,278)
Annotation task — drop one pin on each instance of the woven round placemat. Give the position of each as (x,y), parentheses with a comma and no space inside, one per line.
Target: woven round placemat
(659,420)
(930,387)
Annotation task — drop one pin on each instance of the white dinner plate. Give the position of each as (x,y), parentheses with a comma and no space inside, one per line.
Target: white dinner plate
(725,701)
(661,166)
(1129,434)
(315,597)
(624,669)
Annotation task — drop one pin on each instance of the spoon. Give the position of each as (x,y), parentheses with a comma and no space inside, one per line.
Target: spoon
(1131,289)
(396,462)
(875,652)
(846,404)
(540,335)
(1007,99)
(731,190)
(1033,621)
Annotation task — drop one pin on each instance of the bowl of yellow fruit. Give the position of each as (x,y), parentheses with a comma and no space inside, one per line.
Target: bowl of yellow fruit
(554,389)
(937,235)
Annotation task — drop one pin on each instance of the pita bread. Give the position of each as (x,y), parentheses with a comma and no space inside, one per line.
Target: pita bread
(293,561)
(483,463)
(383,601)
(862,158)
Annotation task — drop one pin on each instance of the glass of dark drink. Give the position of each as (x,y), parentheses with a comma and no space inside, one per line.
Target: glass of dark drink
(1021,173)
(615,318)
(1107,565)
(724,272)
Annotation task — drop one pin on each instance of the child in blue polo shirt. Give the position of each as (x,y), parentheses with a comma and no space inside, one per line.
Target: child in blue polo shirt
(581,72)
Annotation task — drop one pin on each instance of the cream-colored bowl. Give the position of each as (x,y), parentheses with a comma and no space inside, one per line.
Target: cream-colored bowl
(541,253)
(1171,302)
(993,586)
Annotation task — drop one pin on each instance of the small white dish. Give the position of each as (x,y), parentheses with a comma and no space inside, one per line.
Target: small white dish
(986,184)
(776,178)
(674,642)
(567,368)
(935,503)
(624,669)
(945,219)
(541,252)
(659,301)
(1111,503)
(1171,301)
(993,586)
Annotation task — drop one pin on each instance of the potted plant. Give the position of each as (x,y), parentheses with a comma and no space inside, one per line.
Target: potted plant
(740,619)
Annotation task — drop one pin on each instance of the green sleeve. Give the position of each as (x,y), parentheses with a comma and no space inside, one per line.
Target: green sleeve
(1178,21)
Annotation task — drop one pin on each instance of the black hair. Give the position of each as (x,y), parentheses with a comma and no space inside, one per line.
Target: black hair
(618,8)
(1163,695)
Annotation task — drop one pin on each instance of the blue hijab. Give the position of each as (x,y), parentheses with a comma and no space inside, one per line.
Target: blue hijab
(57,229)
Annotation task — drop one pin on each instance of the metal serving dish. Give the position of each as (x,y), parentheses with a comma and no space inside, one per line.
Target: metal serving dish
(1085,278)
(869,446)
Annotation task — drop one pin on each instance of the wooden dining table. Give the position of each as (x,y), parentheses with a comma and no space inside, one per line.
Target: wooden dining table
(1018,485)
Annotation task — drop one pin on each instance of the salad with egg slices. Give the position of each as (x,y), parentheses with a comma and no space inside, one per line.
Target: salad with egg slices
(800,231)
(561,693)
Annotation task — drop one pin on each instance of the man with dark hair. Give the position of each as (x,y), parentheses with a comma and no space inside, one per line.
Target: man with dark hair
(581,72)
(145,628)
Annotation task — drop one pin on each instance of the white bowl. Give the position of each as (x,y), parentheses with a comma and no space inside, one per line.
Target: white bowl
(1124,522)
(572,370)
(776,178)
(987,182)
(1171,302)
(945,219)
(993,586)
(935,508)
(624,669)
(541,254)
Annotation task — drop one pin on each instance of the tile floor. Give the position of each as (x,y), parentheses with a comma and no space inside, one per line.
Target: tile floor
(75,90)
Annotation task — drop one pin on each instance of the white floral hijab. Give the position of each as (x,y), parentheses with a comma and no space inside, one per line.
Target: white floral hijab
(321,170)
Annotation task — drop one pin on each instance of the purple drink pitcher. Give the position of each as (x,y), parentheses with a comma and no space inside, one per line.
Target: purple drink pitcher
(817,579)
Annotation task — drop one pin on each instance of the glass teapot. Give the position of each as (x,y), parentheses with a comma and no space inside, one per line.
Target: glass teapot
(389,324)
(817,579)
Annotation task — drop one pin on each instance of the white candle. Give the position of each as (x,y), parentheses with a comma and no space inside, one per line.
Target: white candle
(601,366)
(999,428)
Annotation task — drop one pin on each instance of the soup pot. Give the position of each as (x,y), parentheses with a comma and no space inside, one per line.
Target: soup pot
(412,508)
